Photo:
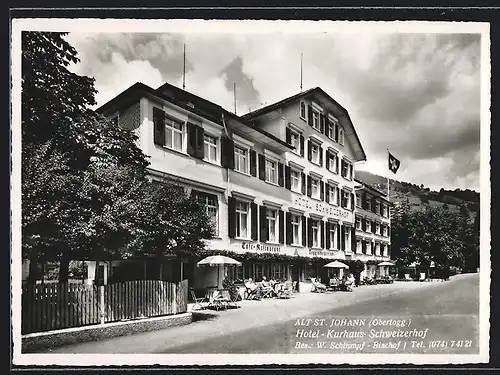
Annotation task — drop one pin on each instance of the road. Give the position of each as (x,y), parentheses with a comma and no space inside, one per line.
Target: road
(448,310)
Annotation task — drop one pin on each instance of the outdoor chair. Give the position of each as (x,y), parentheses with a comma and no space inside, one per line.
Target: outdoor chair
(407,277)
(286,291)
(317,286)
(252,294)
(267,292)
(198,301)
(226,296)
(334,284)
(216,300)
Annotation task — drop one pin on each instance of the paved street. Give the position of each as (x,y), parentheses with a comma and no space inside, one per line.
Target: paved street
(448,309)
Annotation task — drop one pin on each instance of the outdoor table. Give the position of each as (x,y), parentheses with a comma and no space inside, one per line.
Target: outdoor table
(216,299)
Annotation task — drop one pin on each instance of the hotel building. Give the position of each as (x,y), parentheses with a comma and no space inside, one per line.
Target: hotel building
(279,180)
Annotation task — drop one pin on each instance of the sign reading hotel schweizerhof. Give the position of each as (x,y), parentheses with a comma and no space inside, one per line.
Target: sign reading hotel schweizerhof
(321,208)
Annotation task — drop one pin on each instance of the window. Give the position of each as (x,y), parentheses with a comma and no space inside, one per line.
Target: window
(174,134)
(368,247)
(330,129)
(368,203)
(368,226)
(296,230)
(384,210)
(377,248)
(347,236)
(377,228)
(210,144)
(331,191)
(345,169)
(358,247)
(212,206)
(341,135)
(345,199)
(333,236)
(358,223)
(315,233)
(315,189)
(332,163)
(377,208)
(241,160)
(385,230)
(303,110)
(271,172)
(242,218)
(272,223)
(278,271)
(295,141)
(358,200)
(315,153)
(295,180)
(315,118)
(258,271)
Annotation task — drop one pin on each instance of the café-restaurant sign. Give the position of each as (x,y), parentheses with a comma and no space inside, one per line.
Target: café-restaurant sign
(321,208)
(260,247)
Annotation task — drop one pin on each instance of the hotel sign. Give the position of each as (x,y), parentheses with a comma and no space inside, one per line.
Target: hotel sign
(321,208)
(258,247)
(321,253)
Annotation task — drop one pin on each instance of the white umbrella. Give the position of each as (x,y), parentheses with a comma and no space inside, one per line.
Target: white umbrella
(336,264)
(386,263)
(216,261)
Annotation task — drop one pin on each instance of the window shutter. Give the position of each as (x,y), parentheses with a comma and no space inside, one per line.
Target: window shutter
(363,246)
(336,132)
(327,235)
(288,136)
(301,140)
(336,164)
(280,175)
(191,139)
(281,225)
(389,230)
(327,193)
(309,151)
(327,160)
(338,196)
(338,237)
(353,239)
(253,163)
(304,230)
(264,229)
(342,237)
(262,167)
(322,234)
(320,150)
(351,171)
(353,201)
(322,123)
(159,126)
(200,142)
(363,201)
(288,177)
(289,233)
(227,153)
(310,115)
(309,187)
(322,190)
(373,205)
(363,225)
(309,232)
(231,222)
(303,182)
(255,222)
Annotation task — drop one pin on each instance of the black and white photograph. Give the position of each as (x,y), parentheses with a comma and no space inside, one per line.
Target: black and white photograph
(217,192)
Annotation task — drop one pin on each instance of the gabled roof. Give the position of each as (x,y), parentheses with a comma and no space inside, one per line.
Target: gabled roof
(316,91)
(381,194)
(202,107)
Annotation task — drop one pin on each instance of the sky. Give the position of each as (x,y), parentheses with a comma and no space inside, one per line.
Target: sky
(417,95)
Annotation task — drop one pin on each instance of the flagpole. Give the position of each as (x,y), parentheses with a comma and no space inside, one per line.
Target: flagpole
(388,181)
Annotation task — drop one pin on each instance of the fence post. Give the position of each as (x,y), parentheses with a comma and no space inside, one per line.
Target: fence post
(102,307)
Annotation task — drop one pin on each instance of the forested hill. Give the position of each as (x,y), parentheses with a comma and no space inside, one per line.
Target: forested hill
(420,196)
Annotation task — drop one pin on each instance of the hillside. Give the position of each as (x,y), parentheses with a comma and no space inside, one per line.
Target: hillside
(420,196)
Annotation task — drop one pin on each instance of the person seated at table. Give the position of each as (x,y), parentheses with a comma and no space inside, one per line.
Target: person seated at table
(253,288)
(349,281)
(265,285)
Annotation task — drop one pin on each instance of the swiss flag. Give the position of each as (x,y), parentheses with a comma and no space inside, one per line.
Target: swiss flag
(393,163)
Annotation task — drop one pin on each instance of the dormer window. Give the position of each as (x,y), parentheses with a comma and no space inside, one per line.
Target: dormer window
(341,135)
(303,111)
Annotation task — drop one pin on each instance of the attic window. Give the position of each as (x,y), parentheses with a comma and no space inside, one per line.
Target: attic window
(190,104)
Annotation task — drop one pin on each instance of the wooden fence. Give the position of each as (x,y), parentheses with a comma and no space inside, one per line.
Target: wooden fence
(48,307)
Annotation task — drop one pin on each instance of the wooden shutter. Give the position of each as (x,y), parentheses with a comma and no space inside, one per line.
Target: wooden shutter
(363,225)
(336,132)
(353,239)
(288,177)
(321,190)
(227,153)
(288,136)
(336,164)
(280,175)
(327,160)
(363,246)
(327,235)
(322,234)
(373,204)
(342,237)
(309,150)
(353,201)
(322,123)
(255,222)
(351,171)
(303,182)
(310,115)
(200,142)
(304,230)
(338,237)
(309,187)
(192,139)
(289,232)
(320,150)
(264,228)
(231,222)
(262,167)
(309,232)
(301,140)
(327,193)
(281,226)
(338,196)
(159,126)
(253,163)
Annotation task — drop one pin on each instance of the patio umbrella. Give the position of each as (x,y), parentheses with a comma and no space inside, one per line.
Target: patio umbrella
(216,261)
(336,264)
(386,263)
